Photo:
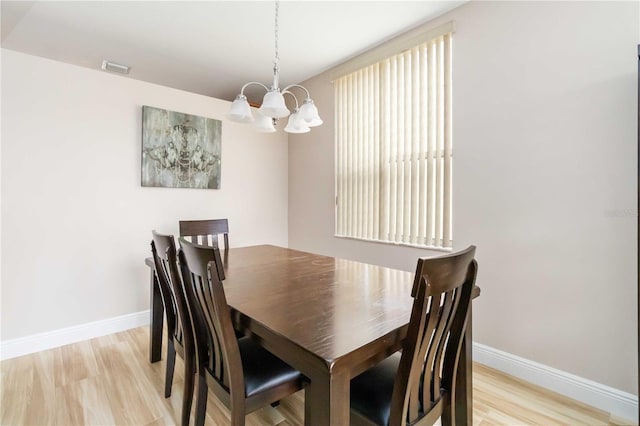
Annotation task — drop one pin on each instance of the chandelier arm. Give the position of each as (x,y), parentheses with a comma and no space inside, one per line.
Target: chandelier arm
(250,83)
(298,86)
(293,96)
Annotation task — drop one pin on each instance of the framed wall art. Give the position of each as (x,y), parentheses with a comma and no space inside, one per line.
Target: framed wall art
(180,150)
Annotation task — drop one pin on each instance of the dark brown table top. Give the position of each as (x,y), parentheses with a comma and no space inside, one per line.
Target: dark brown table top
(331,307)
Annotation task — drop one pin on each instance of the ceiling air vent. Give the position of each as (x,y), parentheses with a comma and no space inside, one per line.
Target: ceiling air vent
(113,67)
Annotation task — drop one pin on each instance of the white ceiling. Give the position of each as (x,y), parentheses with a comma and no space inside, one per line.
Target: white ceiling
(209,47)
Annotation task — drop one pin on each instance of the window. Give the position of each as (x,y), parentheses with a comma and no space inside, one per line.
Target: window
(393,148)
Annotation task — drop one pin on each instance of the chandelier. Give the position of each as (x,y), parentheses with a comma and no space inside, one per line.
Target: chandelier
(273,105)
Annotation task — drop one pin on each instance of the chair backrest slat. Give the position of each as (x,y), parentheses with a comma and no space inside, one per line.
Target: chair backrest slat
(445,310)
(171,288)
(203,294)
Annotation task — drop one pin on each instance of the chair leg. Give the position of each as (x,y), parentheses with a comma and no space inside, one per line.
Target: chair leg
(189,383)
(201,399)
(171,363)
(238,416)
(448,413)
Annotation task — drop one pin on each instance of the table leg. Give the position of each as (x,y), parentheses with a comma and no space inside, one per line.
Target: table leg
(464,384)
(320,410)
(157,316)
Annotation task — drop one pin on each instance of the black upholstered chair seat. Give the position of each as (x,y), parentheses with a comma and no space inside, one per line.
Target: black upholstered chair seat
(263,370)
(371,391)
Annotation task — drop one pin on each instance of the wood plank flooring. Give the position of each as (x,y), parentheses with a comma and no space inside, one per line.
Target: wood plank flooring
(109,381)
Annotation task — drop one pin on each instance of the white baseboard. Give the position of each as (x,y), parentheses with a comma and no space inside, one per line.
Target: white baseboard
(620,404)
(53,339)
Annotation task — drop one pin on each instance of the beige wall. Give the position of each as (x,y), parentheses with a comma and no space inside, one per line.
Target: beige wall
(544,128)
(76,224)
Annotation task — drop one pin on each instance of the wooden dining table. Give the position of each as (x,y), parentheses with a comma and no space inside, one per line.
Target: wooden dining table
(330,318)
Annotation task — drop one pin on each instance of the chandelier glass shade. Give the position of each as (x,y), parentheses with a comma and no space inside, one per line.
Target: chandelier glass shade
(240,110)
(264,124)
(273,104)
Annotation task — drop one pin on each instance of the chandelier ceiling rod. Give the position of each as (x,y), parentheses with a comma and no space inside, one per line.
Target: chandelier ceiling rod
(273,104)
(276,57)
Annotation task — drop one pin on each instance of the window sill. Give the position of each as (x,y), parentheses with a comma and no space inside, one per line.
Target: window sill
(393,243)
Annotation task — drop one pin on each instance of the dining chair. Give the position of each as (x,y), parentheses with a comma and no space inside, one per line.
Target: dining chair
(201,231)
(240,372)
(179,329)
(417,386)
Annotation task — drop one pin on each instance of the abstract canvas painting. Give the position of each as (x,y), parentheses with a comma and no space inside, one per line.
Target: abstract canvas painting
(180,150)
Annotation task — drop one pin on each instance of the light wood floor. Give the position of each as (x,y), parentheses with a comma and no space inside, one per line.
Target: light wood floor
(109,381)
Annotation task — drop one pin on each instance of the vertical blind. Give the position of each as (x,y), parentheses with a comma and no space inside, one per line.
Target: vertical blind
(393,148)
